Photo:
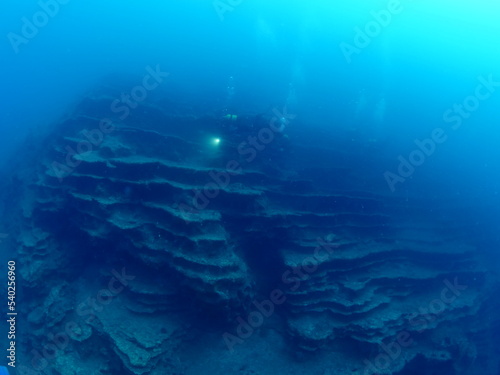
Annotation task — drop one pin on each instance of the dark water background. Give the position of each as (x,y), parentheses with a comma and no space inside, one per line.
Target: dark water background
(429,57)
(426,59)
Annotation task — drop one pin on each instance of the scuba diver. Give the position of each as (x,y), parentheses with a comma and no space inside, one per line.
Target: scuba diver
(232,121)
(262,135)
(230,91)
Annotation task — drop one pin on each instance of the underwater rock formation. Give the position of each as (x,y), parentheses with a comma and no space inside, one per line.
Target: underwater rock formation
(132,231)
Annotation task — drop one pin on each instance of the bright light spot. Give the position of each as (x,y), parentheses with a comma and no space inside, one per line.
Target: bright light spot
(216,141)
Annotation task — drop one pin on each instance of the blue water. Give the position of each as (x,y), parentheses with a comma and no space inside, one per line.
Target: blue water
(426,59)
(428,75)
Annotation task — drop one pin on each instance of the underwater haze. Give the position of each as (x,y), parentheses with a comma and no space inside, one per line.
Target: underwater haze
(428,57)
(383,132)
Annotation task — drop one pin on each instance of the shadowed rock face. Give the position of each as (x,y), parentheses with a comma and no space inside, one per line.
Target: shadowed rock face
(156,236)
